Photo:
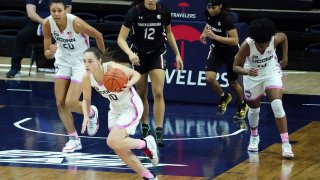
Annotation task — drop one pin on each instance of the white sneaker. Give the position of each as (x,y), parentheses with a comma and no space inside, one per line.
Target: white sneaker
(72,145)
(287,150)
(151,150)
(93,124)
(254,143)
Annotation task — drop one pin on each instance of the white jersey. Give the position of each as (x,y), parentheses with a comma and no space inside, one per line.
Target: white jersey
(117,99)
(70,43)
(266,62)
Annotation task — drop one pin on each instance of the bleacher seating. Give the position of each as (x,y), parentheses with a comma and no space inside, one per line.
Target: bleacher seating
(272,4)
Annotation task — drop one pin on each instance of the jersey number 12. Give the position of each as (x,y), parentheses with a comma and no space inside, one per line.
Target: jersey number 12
(148,33)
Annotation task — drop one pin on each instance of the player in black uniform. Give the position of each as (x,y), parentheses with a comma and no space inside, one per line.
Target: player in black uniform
(224,37)
(150,25)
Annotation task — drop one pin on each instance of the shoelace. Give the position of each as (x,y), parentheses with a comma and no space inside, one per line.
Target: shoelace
(254,141)
(69,142)
(286,147)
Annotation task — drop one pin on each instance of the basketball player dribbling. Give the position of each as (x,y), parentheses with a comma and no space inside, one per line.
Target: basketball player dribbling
(258,62)
(150,26)
(126,109)
(71,40)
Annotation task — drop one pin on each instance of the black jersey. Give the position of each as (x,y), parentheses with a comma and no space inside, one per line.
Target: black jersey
(148,27)
(220,25)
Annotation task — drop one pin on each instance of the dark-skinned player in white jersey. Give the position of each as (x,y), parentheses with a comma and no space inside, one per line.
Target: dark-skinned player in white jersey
(258,62)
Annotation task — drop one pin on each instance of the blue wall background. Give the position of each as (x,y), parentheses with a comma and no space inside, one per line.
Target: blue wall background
(189,85)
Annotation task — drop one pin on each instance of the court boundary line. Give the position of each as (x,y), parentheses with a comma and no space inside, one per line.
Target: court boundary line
(18,125)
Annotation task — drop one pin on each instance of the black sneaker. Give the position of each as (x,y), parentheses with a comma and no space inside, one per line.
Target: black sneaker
(146,131)
(12,73)
(224,101)
(241,111)
(241,124)
(155,178)
(159,137)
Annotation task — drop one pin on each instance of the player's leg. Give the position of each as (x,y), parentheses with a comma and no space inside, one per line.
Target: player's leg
(242,107)
(214,62)
(157,77)
(61,88)
(119,140)
(73,98)
(253,91)
(122,124)
(275,97)
(253,118)
(142,90)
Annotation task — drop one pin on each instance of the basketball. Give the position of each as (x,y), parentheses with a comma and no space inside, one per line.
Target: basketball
(114,80)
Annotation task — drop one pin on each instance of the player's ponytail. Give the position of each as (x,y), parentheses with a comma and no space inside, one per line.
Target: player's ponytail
(225,5)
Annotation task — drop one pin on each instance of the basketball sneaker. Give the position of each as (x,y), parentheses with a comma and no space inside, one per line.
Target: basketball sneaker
(287,150)
(241,124)
(241,111)
(12,73)
(93,125)
(72,145)
(151,150)
(254,143)
(155,178)
(145,130)
(222,106)
(159,137)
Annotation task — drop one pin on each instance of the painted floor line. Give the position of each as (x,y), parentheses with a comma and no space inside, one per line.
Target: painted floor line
(18,125)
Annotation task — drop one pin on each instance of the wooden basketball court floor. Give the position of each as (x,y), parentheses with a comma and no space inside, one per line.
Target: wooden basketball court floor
(199,144)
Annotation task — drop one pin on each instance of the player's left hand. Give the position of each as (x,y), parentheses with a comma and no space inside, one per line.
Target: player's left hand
(210,34)
(283,63)
(126,86)
(84,125)
(179,63)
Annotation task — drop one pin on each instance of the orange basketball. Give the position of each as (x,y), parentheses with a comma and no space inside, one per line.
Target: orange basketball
(114,80)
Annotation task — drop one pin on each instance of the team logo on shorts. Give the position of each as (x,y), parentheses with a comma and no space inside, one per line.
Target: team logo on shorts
(247,93)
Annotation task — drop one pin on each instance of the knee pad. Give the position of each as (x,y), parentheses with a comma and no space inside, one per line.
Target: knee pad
(253,117)
(277,108)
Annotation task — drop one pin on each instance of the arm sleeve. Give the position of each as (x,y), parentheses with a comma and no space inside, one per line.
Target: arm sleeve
(34,2)
(128,21)
(167,14)
(229,23)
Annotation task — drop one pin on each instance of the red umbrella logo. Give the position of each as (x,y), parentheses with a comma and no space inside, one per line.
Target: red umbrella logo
(183,5)
(185,33)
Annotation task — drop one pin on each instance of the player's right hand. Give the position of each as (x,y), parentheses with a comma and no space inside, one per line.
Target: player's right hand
(134,58)
(203,39)
(53,48)
(253,72)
